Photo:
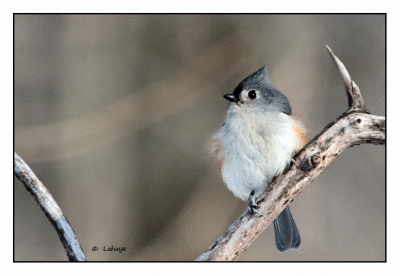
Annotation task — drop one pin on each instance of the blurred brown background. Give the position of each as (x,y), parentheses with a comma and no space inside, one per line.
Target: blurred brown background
(112,111)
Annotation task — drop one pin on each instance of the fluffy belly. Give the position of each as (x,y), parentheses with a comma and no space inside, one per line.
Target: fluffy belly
(251,159)
(246,169)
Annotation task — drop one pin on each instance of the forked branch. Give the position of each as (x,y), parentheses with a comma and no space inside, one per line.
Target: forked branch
(356,102)
(356,126)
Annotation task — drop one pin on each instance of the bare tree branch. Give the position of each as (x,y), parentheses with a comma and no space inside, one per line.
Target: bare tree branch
(356,102)
(356,126)
(50,208)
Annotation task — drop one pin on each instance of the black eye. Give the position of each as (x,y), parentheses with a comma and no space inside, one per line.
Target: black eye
(252,94)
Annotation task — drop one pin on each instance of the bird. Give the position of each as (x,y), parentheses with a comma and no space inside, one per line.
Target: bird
(257,141)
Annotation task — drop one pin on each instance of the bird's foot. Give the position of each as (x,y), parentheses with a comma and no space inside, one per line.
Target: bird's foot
(252,205)
(294,162)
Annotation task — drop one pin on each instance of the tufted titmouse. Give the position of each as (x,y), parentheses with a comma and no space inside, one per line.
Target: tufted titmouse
(256,142)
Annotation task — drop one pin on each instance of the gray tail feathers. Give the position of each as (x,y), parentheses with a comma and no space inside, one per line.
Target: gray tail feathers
(286,233)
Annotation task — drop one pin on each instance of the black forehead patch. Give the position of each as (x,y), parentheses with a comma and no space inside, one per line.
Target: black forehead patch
(237,90)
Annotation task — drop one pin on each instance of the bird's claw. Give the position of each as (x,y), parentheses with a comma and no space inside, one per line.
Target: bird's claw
(252,205)
(294,162)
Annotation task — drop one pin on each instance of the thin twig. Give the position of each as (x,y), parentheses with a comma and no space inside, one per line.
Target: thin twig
(50,208)
(356,102)
(354,127)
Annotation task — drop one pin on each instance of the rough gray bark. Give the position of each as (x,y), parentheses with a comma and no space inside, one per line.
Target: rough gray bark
(356,126)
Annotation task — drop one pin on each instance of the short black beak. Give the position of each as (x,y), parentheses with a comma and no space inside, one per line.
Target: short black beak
(231,97)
